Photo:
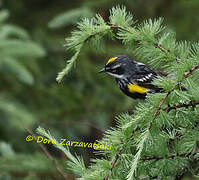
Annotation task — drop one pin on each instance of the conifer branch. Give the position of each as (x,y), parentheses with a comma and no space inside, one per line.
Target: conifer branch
(75,43)
(114,162)
(156,48)
(48,154)
(157,45)
(161,48)
(159,108)
(192,103)
(186,105)
(114,26)
(165,51)
(156,158)
(164,99)
(162,102)
(169,92)
(116,158)
(84,41)
(191,71)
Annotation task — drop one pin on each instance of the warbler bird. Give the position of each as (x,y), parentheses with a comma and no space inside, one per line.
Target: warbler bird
(133,78)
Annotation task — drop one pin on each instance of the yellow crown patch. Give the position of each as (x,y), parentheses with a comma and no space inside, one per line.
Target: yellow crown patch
(111,60)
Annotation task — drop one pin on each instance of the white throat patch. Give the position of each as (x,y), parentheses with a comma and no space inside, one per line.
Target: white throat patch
(116,75)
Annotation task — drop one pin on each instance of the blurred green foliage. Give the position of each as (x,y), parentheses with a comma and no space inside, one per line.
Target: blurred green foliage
(32,36)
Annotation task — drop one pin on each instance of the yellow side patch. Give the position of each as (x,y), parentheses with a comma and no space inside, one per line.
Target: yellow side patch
(134,88)
(111,60)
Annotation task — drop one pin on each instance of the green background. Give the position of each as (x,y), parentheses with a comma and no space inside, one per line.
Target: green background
(85,103)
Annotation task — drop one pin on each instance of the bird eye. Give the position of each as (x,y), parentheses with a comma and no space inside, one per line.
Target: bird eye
(117,70)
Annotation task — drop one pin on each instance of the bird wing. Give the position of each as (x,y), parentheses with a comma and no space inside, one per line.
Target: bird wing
(142,76)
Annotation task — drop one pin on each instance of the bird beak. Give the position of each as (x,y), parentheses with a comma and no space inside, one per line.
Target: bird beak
(102,70)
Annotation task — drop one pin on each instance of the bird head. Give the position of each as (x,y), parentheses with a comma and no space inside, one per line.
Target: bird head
(118,66)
